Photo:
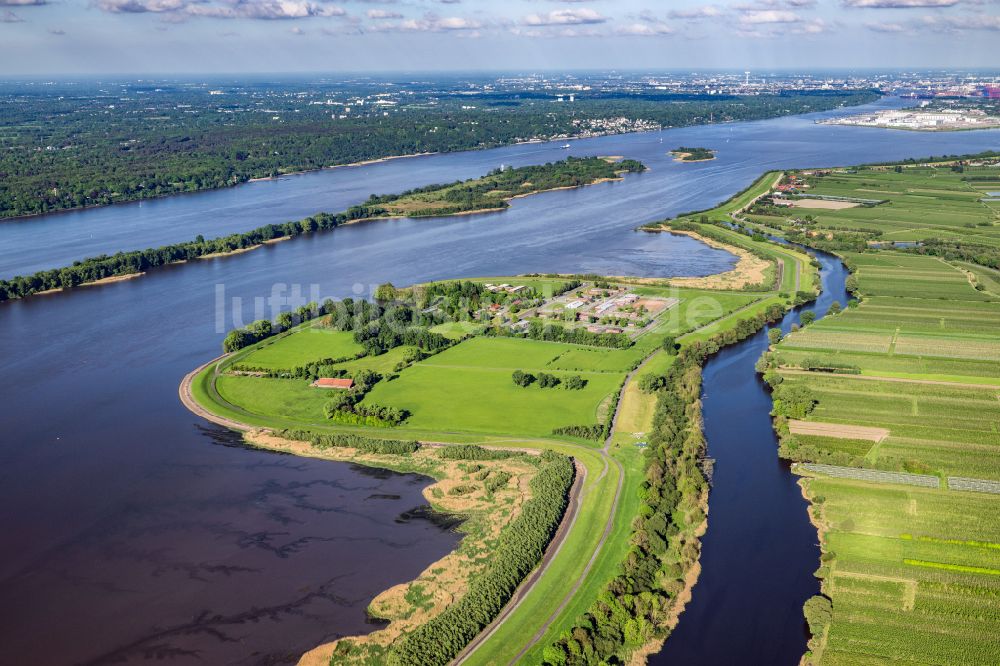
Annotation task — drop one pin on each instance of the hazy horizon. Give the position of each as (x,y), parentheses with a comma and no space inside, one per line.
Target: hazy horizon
(127,37)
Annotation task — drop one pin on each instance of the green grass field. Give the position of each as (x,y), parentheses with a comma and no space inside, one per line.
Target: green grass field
(311,343)
(485,400)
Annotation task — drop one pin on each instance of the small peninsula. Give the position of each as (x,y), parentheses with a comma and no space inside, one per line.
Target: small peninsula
(559,415)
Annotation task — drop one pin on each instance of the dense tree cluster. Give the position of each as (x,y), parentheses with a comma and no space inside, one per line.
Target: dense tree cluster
(594,432)
(491,191)
(518,550)
(693,154)
(951,250)
(539,330)
(475,452)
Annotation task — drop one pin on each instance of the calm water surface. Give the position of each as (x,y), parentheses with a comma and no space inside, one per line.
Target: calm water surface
(760,551)
(135,531)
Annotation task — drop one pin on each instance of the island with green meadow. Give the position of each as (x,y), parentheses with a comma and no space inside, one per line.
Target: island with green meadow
(560,416)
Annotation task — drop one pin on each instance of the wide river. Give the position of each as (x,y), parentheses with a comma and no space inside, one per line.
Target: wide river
(135,531)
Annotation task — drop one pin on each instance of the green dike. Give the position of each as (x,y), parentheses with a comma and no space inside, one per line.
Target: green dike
(540,607)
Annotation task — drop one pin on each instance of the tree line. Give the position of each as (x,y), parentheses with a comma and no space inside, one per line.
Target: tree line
(539,330)
(518,550)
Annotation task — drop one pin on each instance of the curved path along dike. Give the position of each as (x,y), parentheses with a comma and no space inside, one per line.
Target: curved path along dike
(760,551)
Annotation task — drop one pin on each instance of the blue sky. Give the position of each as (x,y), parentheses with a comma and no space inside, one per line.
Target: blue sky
(168,36)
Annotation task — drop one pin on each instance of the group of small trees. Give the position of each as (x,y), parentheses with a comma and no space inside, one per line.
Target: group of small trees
(546,380)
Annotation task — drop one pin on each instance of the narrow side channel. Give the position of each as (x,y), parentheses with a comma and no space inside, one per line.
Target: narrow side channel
(760,551)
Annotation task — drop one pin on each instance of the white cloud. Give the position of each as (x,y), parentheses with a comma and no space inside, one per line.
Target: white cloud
(759,17)
(224,9)
(886,27)
(263,9)
(581,16)
(380,14)
(968,22)
(695,13)
(430,23)
(898,4)
(647,29)
(141,6)
(22,3)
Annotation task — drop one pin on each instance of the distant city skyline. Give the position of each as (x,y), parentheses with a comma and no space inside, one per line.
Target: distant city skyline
(51,37)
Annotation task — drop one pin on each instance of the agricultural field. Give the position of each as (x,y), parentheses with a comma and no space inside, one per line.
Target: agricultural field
(913,572)
(920,202)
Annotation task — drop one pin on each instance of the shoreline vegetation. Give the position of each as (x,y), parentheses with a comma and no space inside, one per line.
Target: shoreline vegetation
(625,607)
(477,195)
(486,511)
(378,160)
(689,154)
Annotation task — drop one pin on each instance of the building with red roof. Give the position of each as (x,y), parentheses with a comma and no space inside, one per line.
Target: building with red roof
(333,383)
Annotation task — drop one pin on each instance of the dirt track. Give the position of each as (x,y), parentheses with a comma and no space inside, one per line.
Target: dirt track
(838,430)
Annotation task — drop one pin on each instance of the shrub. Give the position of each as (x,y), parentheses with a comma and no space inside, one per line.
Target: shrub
(522,379)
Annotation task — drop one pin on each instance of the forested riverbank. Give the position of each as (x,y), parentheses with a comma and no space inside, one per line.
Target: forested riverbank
(77,150)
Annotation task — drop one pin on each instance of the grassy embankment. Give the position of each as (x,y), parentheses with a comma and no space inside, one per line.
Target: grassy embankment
(913,573)
(465,395)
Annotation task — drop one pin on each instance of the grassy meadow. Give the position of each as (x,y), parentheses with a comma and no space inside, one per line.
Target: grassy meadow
(307,345)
